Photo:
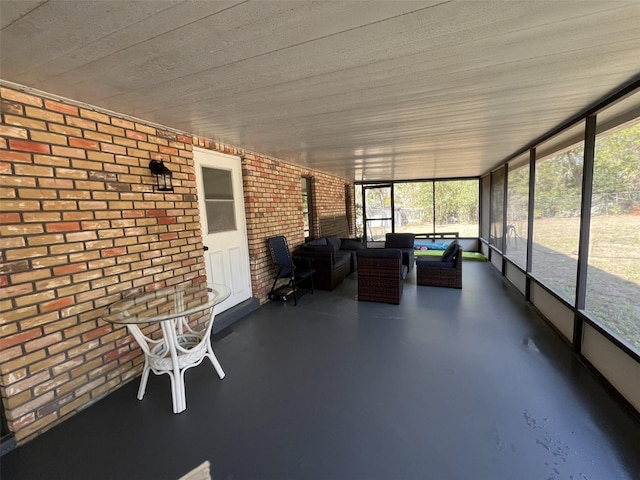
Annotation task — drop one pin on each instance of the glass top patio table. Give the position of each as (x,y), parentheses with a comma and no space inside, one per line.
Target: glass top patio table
(182,344)
(165,304)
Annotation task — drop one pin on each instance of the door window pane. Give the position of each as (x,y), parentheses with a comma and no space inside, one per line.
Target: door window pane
(218,197)
(377,201)
(556,223)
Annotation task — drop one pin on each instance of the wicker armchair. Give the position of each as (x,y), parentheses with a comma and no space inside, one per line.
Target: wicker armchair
(441,272)
(404,242)
(381,275)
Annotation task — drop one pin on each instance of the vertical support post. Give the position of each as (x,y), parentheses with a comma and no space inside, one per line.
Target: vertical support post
(585,227)
(433,204)
(505,191)
(393,208)
(530,207)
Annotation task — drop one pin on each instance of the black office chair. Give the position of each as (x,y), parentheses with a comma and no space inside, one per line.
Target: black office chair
(295,269)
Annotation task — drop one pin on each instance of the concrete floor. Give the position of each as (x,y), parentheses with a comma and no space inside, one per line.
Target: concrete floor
(450,384)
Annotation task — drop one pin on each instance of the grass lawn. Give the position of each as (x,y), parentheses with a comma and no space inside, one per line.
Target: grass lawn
(613,274)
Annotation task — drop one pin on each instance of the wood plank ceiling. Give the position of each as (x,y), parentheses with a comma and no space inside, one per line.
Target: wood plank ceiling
(366,90)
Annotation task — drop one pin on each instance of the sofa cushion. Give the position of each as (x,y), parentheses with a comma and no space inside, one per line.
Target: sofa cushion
(334,241)
(351,244)
(450,252)
(399,240)
(434,264)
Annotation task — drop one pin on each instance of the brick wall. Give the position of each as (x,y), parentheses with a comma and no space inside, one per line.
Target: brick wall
(273,203)
(80,224)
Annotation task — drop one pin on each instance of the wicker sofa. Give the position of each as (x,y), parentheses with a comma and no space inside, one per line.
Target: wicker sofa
(441,272)
(333,258)
(381,275)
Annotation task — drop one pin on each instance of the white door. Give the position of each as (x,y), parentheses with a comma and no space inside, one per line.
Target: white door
(224,228)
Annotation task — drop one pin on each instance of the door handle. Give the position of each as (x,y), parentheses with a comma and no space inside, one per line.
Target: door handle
(205,248)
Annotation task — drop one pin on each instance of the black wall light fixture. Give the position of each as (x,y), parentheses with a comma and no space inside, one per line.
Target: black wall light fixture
(163,176)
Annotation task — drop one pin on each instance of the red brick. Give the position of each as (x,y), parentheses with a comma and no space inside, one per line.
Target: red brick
(9,217)
(67,269)
(96,333)
(168,150)
(63,227)
(82,143)
(156,213)
(19,338)
(136,135)
(56,304)
(114,252)
(168,236)
(26,146)
(60,107)
(166,220)
(115,354)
